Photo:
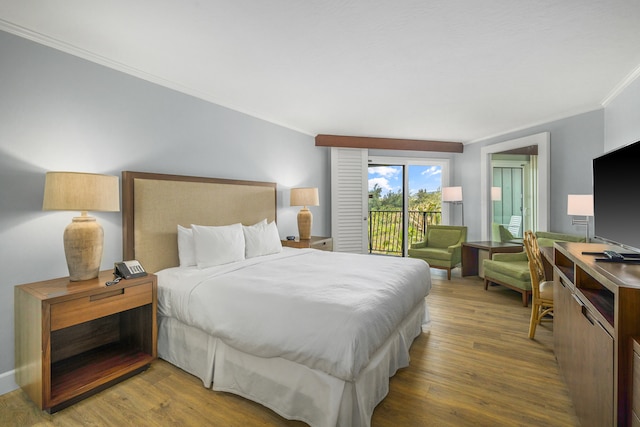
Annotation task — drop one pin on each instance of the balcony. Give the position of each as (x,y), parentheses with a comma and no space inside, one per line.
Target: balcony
(385,229)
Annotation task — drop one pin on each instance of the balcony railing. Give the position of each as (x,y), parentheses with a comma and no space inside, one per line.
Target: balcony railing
(385,229)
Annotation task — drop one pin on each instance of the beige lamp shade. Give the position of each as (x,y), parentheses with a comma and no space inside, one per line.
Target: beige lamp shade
(304,197)
(452,194)
(84,237)
(74,191)
(580,204)
(496,194)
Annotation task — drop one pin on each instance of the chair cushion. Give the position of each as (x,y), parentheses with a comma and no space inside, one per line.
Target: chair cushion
(517,269)
(431,253)
(439,238)
(511,257)
(546,290)
(502,279)
(515,273)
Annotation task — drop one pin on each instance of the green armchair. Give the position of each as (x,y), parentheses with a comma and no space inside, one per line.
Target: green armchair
(499,233)
(442,247)
(548,238)
(512,269)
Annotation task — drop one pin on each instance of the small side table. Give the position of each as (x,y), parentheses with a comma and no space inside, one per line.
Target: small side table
(316,242)
(473,253)
(74,339)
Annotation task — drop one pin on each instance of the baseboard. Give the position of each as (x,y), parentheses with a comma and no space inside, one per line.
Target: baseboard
(8,382)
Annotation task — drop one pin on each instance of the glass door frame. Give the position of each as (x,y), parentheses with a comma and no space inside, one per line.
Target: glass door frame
(405,162)
(526,202)
(542,188)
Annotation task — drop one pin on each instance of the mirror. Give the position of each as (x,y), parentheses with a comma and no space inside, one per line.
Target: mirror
(535,198)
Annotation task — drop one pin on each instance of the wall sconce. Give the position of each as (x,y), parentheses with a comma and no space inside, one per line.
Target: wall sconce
(580,205)
(453,195)
(84,237)
(304,197)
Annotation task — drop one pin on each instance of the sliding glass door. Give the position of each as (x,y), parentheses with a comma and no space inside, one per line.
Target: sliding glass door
(516,207)
(509,210)
(386,221)
(403,200)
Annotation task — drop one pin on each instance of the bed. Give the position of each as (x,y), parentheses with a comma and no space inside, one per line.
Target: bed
(312,335)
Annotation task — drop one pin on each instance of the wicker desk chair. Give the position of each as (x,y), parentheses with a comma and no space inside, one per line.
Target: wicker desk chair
(542,291)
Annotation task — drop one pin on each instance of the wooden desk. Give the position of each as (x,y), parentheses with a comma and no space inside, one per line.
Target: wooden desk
(595,319)
(474,252)
(547,261)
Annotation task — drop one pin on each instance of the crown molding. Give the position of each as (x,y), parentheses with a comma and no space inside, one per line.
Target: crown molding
(622,86)
(84,54)
(79,52)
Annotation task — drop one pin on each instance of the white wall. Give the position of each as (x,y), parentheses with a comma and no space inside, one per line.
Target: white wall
(59,112)
(622,118)
(575,141)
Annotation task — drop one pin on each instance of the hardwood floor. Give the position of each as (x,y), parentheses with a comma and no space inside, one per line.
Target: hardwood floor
(476,367)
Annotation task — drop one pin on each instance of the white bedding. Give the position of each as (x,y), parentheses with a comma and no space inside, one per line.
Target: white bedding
(325,310)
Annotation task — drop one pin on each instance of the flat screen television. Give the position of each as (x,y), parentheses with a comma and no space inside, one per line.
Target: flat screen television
(616,196)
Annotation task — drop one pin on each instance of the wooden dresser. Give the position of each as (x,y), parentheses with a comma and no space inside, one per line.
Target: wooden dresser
(73,339)
(596,316)
(635,395)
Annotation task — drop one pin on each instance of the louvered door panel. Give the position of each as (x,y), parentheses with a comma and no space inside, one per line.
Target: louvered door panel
(348,199)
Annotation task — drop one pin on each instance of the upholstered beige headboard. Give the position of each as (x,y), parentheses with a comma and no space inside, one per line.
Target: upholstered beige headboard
(154,204)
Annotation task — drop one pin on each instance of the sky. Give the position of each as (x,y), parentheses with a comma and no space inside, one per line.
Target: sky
(389,178)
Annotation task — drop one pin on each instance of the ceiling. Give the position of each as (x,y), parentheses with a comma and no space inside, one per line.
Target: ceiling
(447,70)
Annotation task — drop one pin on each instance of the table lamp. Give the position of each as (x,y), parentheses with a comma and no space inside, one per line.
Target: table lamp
(84,237)
(580,205)
(453,195)
(304,197)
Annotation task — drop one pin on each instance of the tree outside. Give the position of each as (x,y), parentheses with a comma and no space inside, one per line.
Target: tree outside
(385,207)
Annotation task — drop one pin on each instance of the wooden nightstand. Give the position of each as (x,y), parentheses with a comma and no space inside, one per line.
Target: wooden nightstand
(321,243)
(74,339)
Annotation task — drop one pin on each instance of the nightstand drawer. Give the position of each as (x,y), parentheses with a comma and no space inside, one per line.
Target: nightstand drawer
(323,245)
(75,311)
(315,242)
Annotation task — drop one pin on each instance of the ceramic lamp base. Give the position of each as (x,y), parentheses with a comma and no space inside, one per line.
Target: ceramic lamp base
(83,244)
(304,223)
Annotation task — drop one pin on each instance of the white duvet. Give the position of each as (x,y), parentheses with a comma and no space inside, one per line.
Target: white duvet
(329,311)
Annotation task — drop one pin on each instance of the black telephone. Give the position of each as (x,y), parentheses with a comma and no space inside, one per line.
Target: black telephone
(129,269)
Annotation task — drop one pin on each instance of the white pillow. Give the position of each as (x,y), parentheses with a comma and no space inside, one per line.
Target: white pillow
(261,239)
(253,227)
(218,245)
(186,248)
(257,224)
(250,230)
